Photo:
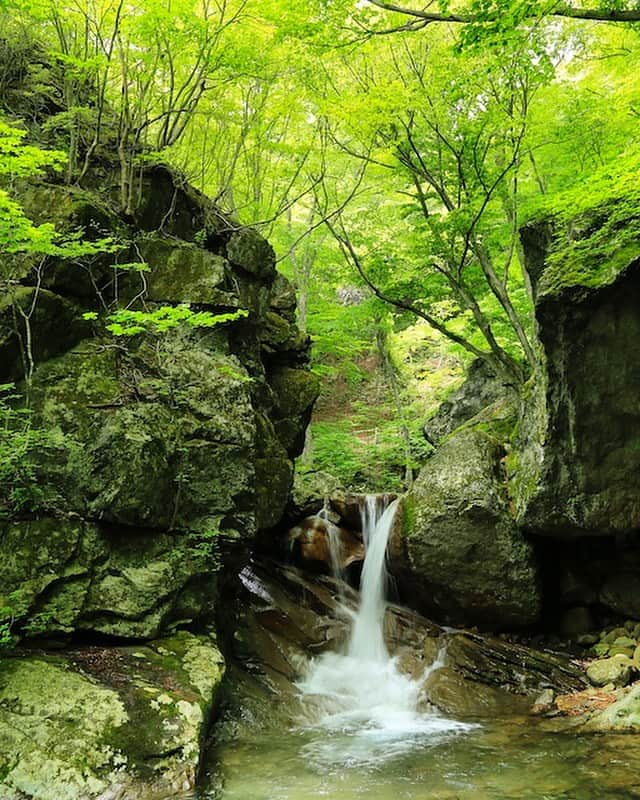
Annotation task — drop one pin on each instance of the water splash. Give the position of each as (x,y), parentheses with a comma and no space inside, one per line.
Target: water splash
(359,695)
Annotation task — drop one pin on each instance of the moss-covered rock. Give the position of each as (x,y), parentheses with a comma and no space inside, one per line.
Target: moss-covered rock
(127,721)
(622,715)
(295,392)
(181,272)
(482,388)
(615,670)
(35,325)
(462,555)
(157,438)
(181,441)
(58,576)
(576,469)
(282,297)
(248,250)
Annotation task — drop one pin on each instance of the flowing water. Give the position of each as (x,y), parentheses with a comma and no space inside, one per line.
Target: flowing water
(360,694)
(358,730)
(335,544)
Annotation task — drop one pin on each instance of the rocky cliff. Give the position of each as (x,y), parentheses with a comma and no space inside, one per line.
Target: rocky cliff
(167,445)
(162,455)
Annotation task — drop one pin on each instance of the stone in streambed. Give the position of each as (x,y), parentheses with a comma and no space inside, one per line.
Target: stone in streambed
(614,650)
(313,538)
(614,634)
(624,641)
(622,715)
(616,670)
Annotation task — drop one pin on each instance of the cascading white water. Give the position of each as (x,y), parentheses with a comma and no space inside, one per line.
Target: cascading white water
(361,692)
(335,543)
(367,633)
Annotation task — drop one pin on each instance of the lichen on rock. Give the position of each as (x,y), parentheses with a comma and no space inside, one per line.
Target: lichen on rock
(123,723)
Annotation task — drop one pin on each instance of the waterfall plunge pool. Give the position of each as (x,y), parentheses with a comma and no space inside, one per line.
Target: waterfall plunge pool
(349,723)
(508,760)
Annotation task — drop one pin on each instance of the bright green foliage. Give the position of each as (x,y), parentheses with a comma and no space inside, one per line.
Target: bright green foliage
(127,322)
(365,458)
(10,608)
(18,235)
(400,165)
(597,229)
(19,160)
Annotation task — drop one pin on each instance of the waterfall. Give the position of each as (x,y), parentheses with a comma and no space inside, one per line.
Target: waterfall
(367,633)
(360,690)
(360,693)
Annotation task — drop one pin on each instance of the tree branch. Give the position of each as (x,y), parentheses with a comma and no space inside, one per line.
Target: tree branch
(560,10)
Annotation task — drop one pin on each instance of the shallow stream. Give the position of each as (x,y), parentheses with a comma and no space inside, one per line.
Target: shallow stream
(511,760)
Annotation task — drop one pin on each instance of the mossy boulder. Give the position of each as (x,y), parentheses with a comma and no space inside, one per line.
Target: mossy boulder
(50,324)
(295,392)
(126,723)
(461,555)
(621,716)
(158,444)
(58,576)
(278,335)
(282,297)
(483,388)
(168,204)
(248,250)
(181,272)
(576,468)
(616,670)
(158,438)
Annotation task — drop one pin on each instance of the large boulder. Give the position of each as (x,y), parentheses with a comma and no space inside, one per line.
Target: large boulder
(615,670)
(52,322)
(459,553)
(576,470)
(119,723)
(483,386)
(179,412)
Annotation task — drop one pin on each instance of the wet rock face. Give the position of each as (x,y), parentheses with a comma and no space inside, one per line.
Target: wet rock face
(165,447)
(124,723)
(317,540)
(459,554)
(59,577)
(578,469)
(285,617)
